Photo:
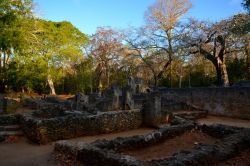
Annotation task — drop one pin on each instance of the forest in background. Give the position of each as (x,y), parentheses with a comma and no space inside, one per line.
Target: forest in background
(42,56)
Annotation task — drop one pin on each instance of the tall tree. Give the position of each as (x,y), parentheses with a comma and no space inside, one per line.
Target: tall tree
(159,36)
(215,41)
(104,47)
(59,46)
(14,16)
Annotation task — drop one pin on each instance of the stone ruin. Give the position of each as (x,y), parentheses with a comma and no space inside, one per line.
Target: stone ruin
(171,112)
(229,142)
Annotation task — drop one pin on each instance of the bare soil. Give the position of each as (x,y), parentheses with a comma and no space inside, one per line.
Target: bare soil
(24,109)
(89,139)
(65,97)
(186,141)
(22,152)
(209,120)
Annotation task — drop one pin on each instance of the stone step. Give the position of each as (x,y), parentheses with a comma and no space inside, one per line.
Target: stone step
(7,120)
(11,133)
(10,128)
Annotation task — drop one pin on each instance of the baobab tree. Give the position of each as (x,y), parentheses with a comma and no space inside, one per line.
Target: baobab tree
(216,41)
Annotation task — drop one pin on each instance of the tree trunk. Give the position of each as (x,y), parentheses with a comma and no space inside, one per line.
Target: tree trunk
(180,81)
(155,80)
(222,75)
(4,59)
(170,52)
(108,77)
(51,85)
(171,70)
(160,74)
(247,52)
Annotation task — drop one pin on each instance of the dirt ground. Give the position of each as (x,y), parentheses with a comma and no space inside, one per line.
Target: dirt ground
(89,139)
(187,141)
(225,120)
(24,109)
(24,153)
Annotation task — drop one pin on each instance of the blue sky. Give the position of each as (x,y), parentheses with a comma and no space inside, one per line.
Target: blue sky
(87,15)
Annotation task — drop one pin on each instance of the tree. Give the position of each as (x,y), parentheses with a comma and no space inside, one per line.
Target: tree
(240,29)
(210,42)
(215,41)
(59,45)
(14,16)
(162,19)
(246,5)
(80,79)
(104,47)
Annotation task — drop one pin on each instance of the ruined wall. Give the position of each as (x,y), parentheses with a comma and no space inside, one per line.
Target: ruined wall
(73,125)
(9,119)
(233,101)
(230,142)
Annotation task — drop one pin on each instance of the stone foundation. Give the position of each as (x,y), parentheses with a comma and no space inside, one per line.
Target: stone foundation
(9,119)
(231,142)
(63,125)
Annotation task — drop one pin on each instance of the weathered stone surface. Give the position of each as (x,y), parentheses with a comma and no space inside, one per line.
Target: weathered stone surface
(10,128)
(233,101)
(103,152)
(31,102)
(91,155)
(74,124)
(10,119)
(210,154)
(152,113)
(105,157)
(3,104)
(218,130)
(8,104)
(140,141)
(81,101)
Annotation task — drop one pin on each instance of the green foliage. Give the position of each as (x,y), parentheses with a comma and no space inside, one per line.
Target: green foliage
(240,24)
(246,5)
(31,49)
(79,81)
(59,46)
(238,69)
(12,23)
(27,77)
(13,34)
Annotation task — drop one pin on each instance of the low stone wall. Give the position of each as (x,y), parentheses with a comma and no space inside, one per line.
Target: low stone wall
(106,153)
(9,119)
(223,149)
(134,142)
(232,102)
(73,125)
(103,152)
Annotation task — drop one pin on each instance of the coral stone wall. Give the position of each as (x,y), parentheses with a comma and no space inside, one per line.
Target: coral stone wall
(233,101)
(72,125)
(9,119)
